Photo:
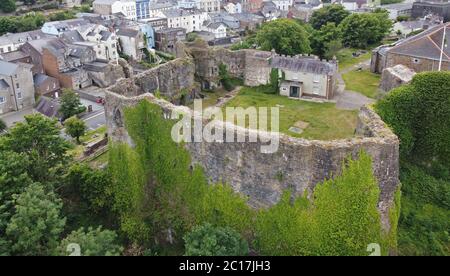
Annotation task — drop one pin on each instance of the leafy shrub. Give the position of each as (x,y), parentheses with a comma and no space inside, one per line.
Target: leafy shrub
(207,240)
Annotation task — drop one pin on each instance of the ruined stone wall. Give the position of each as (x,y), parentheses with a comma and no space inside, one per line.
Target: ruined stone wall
(171,79)
(396,76)
(298,165)
(252,66)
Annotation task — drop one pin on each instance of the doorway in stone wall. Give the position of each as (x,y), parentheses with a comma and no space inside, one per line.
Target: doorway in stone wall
(294,92)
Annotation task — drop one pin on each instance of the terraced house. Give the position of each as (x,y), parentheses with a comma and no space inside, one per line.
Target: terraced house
(16,86)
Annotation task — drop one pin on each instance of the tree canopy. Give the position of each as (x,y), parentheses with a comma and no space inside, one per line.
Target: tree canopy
(93,242)
(70,104)
(37,223)
(39,138)
(361,30)
(207,240)
(328,14)
(75,127)
(8,5)
(285,36)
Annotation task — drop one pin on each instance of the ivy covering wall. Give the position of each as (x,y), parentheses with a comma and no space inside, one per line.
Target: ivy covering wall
(160,196)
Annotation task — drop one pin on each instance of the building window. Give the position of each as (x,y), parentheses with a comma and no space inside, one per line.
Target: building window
(19,95)
(2,100)
(17,85)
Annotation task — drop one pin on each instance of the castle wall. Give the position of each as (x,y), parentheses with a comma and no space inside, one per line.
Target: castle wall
(298,165)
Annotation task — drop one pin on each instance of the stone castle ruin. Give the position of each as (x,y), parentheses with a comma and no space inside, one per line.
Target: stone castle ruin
(298,165)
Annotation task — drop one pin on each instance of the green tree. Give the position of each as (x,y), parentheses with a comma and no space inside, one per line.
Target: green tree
(321,39)
(90,185)
(8,5)
(35,227)
(39,138)
(207,240)
(225,78)
(70,104)
(419,115)
(75,127)
(285,36)
(332,49)
(3,126)
(93,242)
(13,180)
(361,30)
(328,14)
(7,24)
(59,16)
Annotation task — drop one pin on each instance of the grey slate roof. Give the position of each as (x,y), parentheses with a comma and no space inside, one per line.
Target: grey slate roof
(3,84)
(72,36)
(426,44)
(18,38)
(12,56)
(8,68)
(39,79)
(304,64)
(127,32)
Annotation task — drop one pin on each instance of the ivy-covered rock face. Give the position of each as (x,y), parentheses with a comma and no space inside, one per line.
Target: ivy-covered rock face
(159,194)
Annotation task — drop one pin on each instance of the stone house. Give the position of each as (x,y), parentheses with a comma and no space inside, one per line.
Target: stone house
(65,63)
(218,30)
(306,76)
(252,6)
(46,85)
(249,21)
(419,53)
(399,9)
(165,40)
(437,7)
(131,43)
(16,86)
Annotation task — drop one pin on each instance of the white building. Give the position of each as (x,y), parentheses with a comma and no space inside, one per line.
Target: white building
(110,7)
(219,30)
(159,7)
(204,5)
(57,28)
(103,41)
(190,20)
(11,42)
(233,8)
(283,5)
(210,5)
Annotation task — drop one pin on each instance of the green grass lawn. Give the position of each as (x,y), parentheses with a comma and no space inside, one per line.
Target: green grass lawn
(325,121)
(364,82)
(346,60)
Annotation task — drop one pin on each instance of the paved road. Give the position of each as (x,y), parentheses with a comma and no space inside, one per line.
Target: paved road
(95,119)
(351,100)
